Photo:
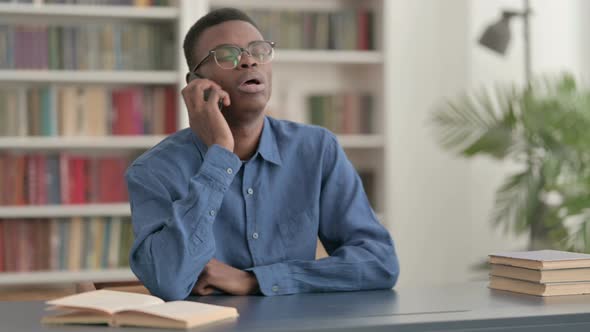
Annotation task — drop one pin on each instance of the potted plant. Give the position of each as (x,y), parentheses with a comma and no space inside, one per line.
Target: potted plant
(544,129)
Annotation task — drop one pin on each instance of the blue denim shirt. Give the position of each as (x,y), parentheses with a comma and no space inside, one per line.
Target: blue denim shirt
(191,203)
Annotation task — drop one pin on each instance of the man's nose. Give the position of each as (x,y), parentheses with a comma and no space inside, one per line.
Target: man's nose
(247,60)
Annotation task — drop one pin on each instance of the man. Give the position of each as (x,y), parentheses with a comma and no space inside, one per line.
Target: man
(235,203)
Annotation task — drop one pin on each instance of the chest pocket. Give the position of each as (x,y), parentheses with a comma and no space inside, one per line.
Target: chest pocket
(299,233)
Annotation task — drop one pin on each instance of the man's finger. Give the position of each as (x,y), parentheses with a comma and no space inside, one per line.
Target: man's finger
(225,97)
(202,287)
(214,97)
(203,81)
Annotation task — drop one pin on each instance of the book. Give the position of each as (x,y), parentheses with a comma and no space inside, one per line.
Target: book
(129,309)
(541,276)
(533,288)
(542,259)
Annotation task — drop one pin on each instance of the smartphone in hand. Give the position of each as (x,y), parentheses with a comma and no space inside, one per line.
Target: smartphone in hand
(206,93)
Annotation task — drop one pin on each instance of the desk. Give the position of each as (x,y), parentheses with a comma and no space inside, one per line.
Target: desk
(457,307)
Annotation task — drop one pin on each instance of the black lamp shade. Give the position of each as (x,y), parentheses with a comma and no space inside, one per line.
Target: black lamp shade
(497,36)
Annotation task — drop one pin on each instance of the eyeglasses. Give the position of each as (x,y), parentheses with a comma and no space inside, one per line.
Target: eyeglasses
(229,56)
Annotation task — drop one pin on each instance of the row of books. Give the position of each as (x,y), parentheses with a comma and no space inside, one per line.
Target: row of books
(73,244)
(38,179)
(368,180)
(541,272)
(347,29)
(347,113)
(92,46)
(87,111)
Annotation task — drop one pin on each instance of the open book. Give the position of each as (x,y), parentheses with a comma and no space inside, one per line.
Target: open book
(129,309)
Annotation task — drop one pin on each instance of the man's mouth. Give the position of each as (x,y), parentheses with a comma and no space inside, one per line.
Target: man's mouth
(252,85)
(252,81)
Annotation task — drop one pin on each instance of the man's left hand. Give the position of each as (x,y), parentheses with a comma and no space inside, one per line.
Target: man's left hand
(217,275)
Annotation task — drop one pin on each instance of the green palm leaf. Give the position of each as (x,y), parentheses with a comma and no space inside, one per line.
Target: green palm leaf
(546,129)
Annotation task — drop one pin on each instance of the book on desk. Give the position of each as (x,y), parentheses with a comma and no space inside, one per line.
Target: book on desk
(115,308)
(541,272)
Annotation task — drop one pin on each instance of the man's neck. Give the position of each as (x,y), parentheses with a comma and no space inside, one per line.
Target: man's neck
(247,137)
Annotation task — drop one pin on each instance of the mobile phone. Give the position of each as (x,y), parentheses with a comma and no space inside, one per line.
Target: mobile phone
(206,93)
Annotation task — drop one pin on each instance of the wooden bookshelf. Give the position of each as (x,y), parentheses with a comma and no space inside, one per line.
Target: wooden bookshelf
(79,15)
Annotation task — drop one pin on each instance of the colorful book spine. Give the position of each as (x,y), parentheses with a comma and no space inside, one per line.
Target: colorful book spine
(345,29)
(346,113)
(38,179)
(88,111)
(90,46)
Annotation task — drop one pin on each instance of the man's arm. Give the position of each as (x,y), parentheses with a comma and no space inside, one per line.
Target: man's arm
(362,254)
(174,238)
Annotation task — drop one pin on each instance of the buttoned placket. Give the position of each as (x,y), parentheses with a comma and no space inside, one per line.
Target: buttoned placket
(249,203)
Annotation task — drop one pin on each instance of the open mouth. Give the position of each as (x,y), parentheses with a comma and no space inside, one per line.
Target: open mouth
(252,85)
(253,81)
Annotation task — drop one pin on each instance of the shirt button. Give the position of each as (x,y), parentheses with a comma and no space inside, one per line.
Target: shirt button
(275,288)
(229,171)
(212,213)
(250,191)
(255,236)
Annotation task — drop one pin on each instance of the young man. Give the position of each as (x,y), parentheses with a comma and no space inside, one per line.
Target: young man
(235,203)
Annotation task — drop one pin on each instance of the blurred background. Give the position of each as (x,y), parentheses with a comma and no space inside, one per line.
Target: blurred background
(435,117)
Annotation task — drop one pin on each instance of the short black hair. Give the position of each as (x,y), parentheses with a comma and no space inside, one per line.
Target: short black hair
(212,18)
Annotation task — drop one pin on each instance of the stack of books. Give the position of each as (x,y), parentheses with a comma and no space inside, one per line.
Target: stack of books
(541,272)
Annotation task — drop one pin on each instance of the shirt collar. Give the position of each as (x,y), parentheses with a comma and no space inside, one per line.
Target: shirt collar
(267,147)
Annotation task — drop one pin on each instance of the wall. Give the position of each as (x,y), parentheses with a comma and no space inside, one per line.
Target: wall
(439,205)
(426,51)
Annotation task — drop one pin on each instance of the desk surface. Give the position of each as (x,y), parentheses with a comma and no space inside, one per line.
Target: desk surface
(456,307)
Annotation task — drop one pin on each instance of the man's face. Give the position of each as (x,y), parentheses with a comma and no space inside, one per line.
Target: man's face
(247,100)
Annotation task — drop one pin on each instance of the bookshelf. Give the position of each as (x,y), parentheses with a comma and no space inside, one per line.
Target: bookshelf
(297,73)
(41,14)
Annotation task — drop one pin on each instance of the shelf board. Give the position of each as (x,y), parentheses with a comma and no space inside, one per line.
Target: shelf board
(361,141)
(89,11)
(57,277)
(328,56)
(315,5)
(79,142)
(63,211)
(139,142)
(89,76)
